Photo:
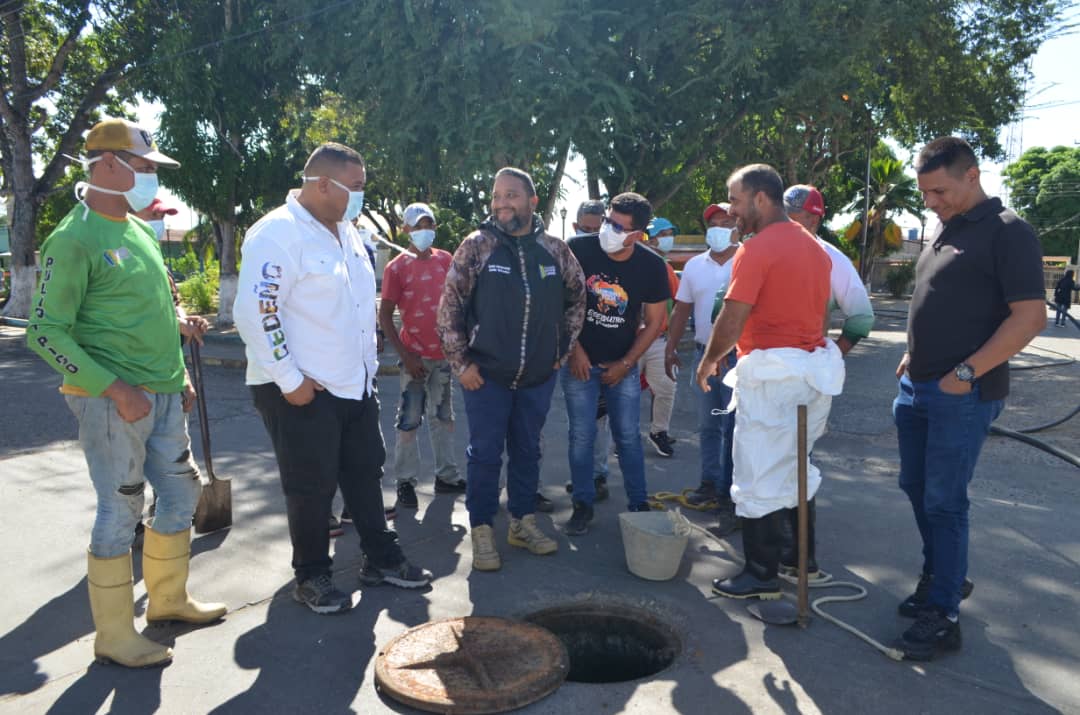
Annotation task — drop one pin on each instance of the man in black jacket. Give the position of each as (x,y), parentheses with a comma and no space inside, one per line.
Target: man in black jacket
(511,309)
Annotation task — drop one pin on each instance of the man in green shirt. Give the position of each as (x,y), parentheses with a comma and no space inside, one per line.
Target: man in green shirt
(105,320)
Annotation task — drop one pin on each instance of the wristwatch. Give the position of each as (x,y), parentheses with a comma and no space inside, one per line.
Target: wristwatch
(965,373)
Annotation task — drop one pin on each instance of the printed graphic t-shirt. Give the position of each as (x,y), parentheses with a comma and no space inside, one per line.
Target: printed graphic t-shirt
(415,286)
(614,293)
(784,274)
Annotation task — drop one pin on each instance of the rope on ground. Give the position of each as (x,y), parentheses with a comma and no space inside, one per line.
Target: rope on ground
(656,501)
(826,581)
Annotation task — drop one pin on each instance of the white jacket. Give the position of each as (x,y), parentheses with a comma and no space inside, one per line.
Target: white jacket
(769,385)
(305,304)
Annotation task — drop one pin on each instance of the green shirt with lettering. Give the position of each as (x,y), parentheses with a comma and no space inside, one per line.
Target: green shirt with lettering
(103,309)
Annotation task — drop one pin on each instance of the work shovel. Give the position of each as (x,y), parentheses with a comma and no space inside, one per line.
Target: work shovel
(214,511)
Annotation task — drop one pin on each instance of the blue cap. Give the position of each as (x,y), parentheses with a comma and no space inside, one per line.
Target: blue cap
(660,224)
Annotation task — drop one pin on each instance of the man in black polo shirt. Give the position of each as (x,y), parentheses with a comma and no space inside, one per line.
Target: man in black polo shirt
(978,301)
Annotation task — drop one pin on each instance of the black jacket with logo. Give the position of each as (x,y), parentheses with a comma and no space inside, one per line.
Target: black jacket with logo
(513,305)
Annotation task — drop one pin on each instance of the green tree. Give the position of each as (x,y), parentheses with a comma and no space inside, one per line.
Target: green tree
(61,61)
(1044,188)
(892,192)
(233,118)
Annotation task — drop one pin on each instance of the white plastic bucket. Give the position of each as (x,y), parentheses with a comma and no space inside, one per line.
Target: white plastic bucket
(654,542)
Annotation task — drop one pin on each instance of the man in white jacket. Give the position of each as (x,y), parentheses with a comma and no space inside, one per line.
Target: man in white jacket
(806,206)
(305,308)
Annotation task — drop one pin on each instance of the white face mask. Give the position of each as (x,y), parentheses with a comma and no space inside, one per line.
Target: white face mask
(159,228)
(139,196)
(718,238)
(611,240)
(422,238)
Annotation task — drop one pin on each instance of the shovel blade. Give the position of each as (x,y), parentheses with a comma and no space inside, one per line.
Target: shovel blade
(214,511)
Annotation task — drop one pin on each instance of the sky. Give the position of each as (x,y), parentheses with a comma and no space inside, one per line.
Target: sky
(1049,121)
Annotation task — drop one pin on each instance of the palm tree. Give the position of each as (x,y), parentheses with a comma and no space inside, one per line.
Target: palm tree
(892,192)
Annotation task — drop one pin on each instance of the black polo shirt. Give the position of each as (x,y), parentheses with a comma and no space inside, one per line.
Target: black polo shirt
(976,265)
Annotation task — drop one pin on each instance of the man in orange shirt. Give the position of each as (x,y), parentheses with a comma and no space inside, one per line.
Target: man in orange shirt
(773,312)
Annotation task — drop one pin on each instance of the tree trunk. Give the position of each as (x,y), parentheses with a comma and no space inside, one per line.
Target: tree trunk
(591,180)
(556,180)
(23,220)
(229,276)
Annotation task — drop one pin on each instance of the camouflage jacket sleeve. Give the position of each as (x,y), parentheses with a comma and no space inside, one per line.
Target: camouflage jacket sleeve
(457,292)
(574,295)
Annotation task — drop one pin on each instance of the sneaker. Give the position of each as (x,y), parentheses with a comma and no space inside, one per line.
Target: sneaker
(406,496)
(599,482)
(346,517)
(727,521)
(456,487)
(543,504)
(336,529)
(485,557)
(911,606)
(814,575)
(525,533)
(601,488)
(661,443)
(404,575)
(643,506)
(320,595)
(579,520)
(931,632)
(703,495)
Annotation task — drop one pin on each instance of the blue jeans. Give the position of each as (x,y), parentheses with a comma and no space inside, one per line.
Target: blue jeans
(940,436)
(123,456)
(503,418)
(602,448)
(434,395)
(716,427)
(624,417)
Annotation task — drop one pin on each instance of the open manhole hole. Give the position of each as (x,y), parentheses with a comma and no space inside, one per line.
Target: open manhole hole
(612,643)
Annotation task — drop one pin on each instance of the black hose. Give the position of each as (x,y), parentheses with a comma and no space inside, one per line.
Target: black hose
(1034,442)
(1048,425)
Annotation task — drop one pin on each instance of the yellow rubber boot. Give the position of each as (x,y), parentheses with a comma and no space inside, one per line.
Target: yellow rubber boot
(165,571)
(112,602)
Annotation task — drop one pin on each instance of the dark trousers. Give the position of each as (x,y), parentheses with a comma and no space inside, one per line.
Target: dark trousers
(328,443)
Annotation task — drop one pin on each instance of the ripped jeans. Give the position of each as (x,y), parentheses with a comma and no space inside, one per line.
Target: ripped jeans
(122,455)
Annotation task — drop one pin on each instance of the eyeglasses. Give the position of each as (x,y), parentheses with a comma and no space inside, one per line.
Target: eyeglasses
(617,226)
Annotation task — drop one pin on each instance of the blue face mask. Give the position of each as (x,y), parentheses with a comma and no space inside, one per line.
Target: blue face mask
(666,243)
(422,239)
(718,238)
(356,198)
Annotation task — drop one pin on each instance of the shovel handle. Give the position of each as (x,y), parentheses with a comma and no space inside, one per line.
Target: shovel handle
(804,599)
(200,405)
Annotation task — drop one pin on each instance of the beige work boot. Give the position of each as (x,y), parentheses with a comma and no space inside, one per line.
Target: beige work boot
(525,533)
(112,603)
(165,571)
(485,557)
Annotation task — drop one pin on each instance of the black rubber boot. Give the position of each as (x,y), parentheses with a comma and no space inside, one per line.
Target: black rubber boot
(789,551)
(761,545)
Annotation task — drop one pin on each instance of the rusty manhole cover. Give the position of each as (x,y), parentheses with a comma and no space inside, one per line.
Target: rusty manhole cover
(472,665)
